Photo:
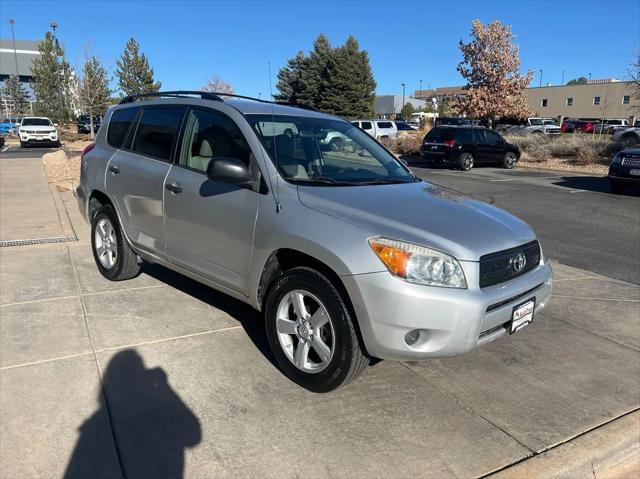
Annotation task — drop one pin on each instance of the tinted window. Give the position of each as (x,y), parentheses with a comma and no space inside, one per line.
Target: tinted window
(384,124)
(492,137)
(209,134)
(438,135)
(366,125)
(464,135)
(119,125)
(478,136)
(36,122)
(157,131)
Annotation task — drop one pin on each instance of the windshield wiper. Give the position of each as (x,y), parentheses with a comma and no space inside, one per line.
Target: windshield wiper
(325,180)
(385,181)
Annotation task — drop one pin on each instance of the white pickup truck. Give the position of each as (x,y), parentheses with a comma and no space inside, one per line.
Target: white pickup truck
(533,126)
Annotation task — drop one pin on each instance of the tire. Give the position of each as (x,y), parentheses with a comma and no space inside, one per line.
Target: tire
(510,160)
(23,144)
(336,144)
(465,162)
(629,139)
(335,360)
(114,258)
(616,187)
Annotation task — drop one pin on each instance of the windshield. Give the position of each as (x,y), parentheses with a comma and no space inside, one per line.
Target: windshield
(535,121)
(36,122)
(326,151)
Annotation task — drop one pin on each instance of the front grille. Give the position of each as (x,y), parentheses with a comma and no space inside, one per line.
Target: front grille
(498,267)
(632,161)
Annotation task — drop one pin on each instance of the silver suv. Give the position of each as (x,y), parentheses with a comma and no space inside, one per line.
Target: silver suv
(348,254)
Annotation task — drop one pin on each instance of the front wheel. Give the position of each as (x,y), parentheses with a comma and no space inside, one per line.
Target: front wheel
(510,160)
(466,161)
(114,258)
(311,332)
(23,144)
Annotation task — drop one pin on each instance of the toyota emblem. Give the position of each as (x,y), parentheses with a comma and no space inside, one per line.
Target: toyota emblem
(518,262)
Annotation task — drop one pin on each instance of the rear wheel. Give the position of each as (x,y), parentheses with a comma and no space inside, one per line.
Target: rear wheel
(336,144)
(114,257)
(311,332)
(510,160)
(465,162)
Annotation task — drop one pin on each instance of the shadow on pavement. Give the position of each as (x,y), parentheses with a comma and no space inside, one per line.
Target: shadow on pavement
(599,184)
(251,320)
(150,421)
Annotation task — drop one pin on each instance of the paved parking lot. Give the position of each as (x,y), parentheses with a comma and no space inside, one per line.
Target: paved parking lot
(160,376)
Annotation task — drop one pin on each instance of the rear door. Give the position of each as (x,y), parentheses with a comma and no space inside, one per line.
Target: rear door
(136,173)
(494,146)
(210,224)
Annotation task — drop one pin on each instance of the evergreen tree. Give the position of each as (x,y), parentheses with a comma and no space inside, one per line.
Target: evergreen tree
(407,111)
(135,76)
(16,94)
(578,81)
(94,93)
(314,76)
(52,81)
(289,77)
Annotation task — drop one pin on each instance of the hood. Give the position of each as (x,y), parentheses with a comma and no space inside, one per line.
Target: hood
(422,213)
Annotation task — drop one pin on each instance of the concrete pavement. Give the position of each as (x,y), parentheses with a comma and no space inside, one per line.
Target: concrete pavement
(160,376)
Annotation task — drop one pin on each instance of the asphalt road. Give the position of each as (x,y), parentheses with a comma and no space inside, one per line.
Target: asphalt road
(14,151)
(578,221)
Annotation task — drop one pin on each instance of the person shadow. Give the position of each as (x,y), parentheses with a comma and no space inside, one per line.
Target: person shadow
(151,425)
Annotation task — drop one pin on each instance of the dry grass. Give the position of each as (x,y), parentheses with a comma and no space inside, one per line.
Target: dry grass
(405,144)
(62,170)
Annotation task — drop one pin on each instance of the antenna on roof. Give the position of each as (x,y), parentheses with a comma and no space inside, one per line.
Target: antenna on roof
(275,147)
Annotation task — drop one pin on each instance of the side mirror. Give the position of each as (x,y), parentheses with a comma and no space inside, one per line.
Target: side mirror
(228,170)
(404,162)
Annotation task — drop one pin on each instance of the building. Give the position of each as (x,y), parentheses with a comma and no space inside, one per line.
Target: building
(609,98)
(390,106)
(596,99)
(18,62)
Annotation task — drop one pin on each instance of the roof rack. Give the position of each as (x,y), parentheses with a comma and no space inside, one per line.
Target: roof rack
(205,95)
(214,96)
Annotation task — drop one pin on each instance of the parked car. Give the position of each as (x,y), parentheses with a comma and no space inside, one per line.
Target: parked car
(37,130)
(460,121)
(568,126)
(531,126)
(585,126)
(378,128)
(624,170)
(84,124)
(9,126)
(1,141)
(467,146)
(324,244)
(405,126)
(629,137)
(610,125)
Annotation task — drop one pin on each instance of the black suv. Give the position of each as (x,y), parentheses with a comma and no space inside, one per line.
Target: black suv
(84,125)
(465,146)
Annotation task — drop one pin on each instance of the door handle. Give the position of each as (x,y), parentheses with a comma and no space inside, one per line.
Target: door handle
(174,187)
(114,169)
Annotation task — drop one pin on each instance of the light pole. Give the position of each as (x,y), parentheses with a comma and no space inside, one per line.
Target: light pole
(402,114)
(589,77)
(54,25)
(15,52)
(421,87)
(563,72)
(540,78)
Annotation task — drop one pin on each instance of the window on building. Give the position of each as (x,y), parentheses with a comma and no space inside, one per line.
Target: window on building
(569,101)
(543,103)
(626,99)
(596,100)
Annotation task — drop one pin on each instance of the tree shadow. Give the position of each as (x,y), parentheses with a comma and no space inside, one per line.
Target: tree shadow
(151,424)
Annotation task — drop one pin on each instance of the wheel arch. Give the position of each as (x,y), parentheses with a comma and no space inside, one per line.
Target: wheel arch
(96,200)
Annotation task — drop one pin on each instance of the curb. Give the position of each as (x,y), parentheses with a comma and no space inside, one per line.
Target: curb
(565,172)
(611,451)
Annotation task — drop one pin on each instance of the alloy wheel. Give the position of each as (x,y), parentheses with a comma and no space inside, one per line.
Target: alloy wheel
(510,159)
(105,243)
(305,331)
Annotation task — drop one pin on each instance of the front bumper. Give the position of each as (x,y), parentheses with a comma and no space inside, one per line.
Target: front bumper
(44,138)
(451,321)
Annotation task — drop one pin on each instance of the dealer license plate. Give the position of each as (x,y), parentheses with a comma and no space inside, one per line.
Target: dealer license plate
(522,315)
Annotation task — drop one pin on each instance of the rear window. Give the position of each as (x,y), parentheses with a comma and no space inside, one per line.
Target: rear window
(384,124)
(157,131)
(366,125)
(119,125)
(438,135)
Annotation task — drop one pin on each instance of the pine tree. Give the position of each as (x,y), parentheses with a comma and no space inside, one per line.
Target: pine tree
(52,82)
(16,94)
(135,76)
(314,76)
(93,90)
(289,78)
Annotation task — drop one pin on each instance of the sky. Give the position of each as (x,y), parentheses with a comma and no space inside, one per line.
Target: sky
(187,42)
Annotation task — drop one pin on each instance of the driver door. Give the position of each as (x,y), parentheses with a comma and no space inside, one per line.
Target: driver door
(209,224)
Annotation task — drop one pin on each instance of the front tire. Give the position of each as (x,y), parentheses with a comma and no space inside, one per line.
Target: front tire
(23,144)
(510,160)
(311,331)
(114,258)
(465,162)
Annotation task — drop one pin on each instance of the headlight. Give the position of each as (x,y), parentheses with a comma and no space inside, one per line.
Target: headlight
(419,264)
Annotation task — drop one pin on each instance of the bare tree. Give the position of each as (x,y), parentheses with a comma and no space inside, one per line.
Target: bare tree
(634,74)
(94,94)
(495,87)
(217,84)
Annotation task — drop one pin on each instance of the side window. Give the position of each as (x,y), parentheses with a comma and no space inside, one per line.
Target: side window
(366,125)
(492,137)
(209,134)
(384,124)
(157,131)
(119,125)
(478,136)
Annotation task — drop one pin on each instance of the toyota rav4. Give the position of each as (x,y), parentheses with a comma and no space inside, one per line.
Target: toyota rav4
(349,255)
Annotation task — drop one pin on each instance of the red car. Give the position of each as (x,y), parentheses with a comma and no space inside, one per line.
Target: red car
(585,126)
